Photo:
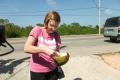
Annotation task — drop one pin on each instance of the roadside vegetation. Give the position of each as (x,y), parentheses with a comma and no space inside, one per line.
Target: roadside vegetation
(12,30)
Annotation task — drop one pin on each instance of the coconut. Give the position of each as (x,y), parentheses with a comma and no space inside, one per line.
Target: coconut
(61,58)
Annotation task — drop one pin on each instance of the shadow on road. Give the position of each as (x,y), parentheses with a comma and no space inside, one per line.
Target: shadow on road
(77,79)
(8,66)
(112,42)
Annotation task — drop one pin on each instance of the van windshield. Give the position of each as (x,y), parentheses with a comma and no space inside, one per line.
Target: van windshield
(112,22)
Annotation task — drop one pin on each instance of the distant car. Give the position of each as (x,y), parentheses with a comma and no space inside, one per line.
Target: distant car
(112,28)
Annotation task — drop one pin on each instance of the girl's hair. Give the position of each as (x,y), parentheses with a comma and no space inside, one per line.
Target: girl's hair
(53,15)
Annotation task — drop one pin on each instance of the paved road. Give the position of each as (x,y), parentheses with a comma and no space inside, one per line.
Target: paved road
(82,65)
(85,45)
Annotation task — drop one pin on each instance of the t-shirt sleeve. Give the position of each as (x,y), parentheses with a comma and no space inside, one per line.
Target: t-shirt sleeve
(35,32)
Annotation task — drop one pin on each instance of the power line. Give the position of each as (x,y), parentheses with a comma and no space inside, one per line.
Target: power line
(111,8)
(43,15)
(47,10)
(95,3)
(61,15)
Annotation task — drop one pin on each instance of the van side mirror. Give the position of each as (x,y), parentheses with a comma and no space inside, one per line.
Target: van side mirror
(2,34)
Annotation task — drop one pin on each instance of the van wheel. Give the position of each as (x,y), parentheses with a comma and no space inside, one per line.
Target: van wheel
(113,39)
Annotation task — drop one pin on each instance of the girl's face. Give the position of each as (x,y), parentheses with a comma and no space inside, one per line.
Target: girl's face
(52,25)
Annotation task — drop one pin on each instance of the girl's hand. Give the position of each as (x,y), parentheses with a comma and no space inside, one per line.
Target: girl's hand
(55,54)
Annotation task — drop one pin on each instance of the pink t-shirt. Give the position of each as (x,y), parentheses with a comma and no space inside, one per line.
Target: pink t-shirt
(42,62)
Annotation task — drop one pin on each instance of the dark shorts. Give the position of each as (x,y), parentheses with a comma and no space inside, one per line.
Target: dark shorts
(44,76)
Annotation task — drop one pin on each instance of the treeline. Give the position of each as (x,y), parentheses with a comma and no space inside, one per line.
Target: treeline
(77,29)
(13,30)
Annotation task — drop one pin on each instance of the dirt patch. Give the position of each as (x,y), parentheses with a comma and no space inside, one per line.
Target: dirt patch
(112,59)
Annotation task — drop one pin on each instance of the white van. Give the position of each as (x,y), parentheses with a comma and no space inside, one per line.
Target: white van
(112,28)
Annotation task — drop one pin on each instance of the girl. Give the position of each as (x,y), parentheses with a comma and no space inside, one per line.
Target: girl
(43,44)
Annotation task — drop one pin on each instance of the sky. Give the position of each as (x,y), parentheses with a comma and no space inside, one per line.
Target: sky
(84,12)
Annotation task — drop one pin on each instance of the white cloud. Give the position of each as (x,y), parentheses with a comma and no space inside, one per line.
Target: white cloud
(51,2)
(108,11)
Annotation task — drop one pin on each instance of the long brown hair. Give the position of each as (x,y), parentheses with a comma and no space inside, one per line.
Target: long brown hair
(53,15)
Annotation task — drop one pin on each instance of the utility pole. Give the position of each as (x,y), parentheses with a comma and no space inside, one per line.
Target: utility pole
(99,18)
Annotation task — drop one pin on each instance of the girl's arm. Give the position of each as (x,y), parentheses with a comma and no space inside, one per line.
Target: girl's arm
(30,48)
